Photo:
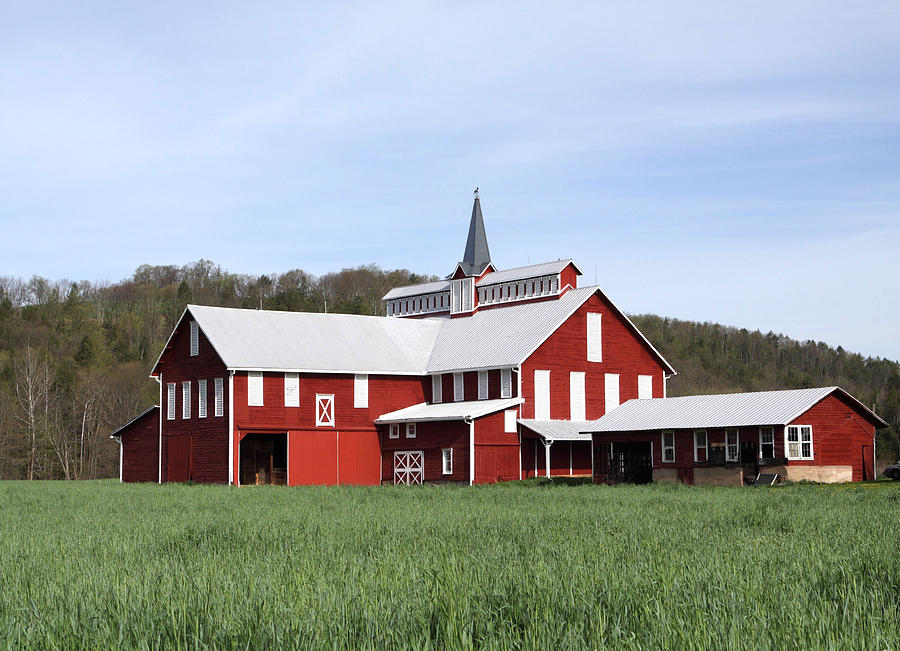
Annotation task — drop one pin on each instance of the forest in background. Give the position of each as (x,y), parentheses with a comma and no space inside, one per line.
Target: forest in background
(75,356)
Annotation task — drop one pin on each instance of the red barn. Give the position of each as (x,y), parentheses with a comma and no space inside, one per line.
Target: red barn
(489,375)
(139,447)
(822,435)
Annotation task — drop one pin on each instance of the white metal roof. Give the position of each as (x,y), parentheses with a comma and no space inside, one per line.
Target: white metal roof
(503,336)
(425,412)
(417,290)
(558,430)
(309,341)
(723,410)
(530,271)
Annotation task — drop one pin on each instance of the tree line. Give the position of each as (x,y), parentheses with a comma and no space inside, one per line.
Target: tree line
(75,356)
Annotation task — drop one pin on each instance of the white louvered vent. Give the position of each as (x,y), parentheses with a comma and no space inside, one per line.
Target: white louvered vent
(482,385)
(185,400)
(291,389)
(542,395)
(611,391)
(506,383)
(255,388)
(576,396)
(437,389)
(170,401)
(220,396)
(360,391)
(458,387)
(201,398)
(594,338)
(195,339)
(645,386)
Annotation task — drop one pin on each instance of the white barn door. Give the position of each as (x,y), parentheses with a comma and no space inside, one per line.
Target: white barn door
(409,468)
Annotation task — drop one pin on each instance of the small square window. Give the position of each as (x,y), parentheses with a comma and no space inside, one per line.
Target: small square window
(447,461)
(410,430)
(394,431)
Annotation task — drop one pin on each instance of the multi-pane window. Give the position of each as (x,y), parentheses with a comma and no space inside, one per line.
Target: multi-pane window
(766,442)
(324,410)
(220,396)
(482,385)
(185,400)
(668,447)
(291,389)
(360,391)
(170,401)
(255,388)
(437,389)
(732,445)
(394,431)
(447,461)
(458,387)
(594,343)
(799,442)
(410,430)
(700,446)
(506,383)
(201,398)
(195,339)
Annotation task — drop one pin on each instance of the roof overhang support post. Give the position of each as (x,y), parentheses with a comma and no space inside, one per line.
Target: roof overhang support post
(471,423)
(547,444)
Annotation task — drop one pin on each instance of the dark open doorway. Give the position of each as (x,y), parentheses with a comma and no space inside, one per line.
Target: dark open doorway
(264,459)
(623,462)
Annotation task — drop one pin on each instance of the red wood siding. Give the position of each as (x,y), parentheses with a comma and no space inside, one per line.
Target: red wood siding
(841,436)
(140,446)
(471,385)
(209,436)
(431,438)
(496,451)
(624,353)
(568,276)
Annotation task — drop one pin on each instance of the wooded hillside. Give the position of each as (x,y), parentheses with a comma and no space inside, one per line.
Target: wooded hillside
(74,357)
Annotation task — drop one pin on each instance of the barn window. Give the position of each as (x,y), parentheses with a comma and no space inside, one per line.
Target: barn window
(799,442)
(195,339)
(201,398)
(291,389)
(611,390)
(482,385)
(437,389)
(668,447)
(324,410)
(447,461)
(509,421)
(255,388)
(410,430)
(576,395)
(699,445)
(170,402)
(394,431)
(220,396)
(542,395)
(506,383)
(766,443)
(732,445)
(594,340)
(360,391)
(645,386)
(458,387)
(185,400)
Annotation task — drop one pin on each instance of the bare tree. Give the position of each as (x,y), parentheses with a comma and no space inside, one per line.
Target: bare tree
(32,379)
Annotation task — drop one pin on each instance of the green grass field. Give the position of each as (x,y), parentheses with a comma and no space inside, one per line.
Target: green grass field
(102,565)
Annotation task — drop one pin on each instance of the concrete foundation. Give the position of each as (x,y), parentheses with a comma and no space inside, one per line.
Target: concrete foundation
(665,475)
(718,476)
(822,474)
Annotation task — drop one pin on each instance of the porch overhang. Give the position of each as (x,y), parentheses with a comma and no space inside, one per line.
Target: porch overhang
(558,430)
(427,412)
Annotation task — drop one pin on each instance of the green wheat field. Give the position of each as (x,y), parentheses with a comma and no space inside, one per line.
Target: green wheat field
(523,565)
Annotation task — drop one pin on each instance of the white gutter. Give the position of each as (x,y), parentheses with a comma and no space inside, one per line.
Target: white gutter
(230,427)
(159,449)
(471,423)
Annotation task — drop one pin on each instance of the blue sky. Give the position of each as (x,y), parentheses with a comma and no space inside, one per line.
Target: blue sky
(736,163)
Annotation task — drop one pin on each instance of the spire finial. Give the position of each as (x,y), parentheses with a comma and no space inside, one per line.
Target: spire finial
(476,192)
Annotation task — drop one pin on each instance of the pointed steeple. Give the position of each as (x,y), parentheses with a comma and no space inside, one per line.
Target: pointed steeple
(477,256)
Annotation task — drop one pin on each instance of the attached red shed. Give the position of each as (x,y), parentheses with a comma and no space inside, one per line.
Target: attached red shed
(822,434)
(138,447)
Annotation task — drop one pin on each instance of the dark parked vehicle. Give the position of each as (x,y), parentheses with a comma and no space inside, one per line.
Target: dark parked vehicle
(892,471)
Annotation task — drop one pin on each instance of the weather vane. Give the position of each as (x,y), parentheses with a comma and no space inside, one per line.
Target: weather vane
(476,192)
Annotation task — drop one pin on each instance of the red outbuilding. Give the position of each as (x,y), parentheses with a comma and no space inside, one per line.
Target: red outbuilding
(139,447)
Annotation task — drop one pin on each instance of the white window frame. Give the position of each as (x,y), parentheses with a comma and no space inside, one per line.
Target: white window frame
(255,386)
(510,426)
(801,429)
(410,430)
(506,383)
(170,401)
(645,387)
(195,339)
(594,337)
(201,398)
(668,448)
(737,446)
(291,389)
(361,391)
(219,396)
(186,400)
(541,394)
(705,446)
(324,410)
(394,431)
(576,396)
(482,385)
(459,387)
(437,389)
(447,461)
(612,397)
(766,432)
